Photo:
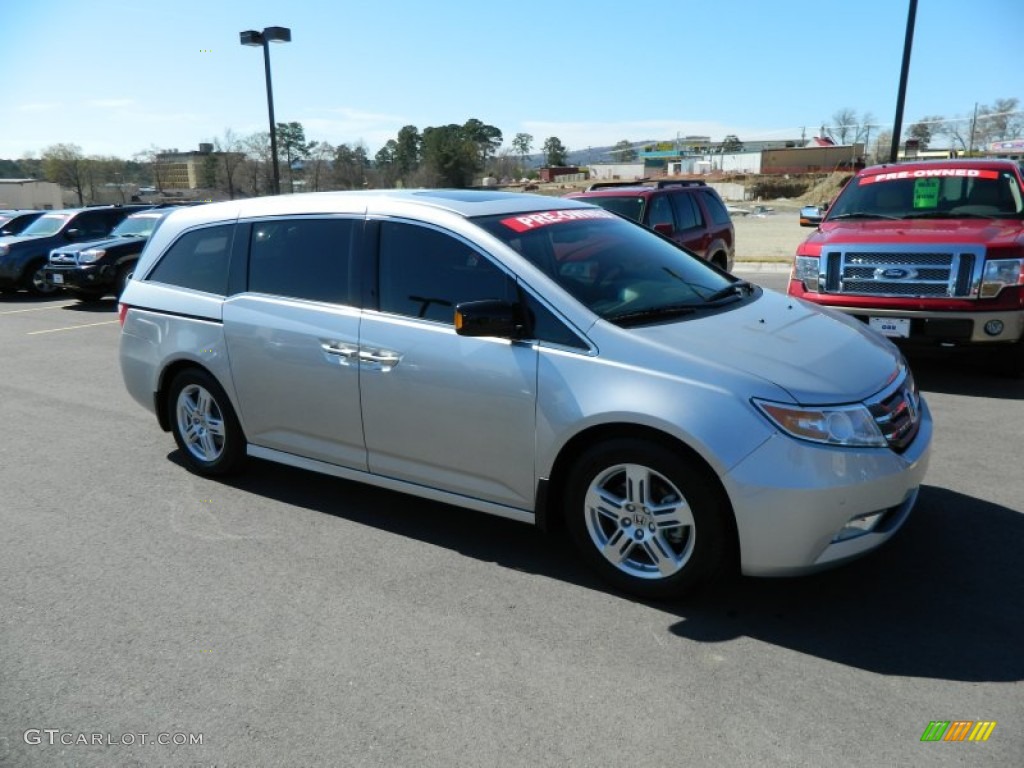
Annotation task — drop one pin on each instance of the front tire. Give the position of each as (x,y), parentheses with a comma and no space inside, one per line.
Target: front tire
(204,424)
(124,276)
(36,280)
(649,520)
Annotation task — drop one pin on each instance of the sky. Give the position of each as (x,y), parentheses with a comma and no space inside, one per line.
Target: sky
(117,77)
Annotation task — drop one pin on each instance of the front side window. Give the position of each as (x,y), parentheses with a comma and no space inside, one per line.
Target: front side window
(197,260)
(425,273)
(303,258)
(660,212)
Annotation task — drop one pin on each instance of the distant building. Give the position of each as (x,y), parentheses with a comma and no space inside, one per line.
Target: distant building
(29,193)
(186,170)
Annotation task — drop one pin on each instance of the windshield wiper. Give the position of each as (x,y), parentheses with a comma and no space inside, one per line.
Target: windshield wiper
(949,215)
(732,289)
(669,310)
(864,215)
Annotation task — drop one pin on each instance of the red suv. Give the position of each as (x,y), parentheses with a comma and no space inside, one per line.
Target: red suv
(689,212)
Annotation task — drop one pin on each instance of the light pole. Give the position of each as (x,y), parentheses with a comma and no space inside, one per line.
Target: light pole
(269,35)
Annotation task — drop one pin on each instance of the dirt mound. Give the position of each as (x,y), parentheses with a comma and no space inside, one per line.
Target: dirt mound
(825,189)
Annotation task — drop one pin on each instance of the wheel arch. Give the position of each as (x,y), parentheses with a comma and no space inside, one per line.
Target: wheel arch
(550,510)
(161,395)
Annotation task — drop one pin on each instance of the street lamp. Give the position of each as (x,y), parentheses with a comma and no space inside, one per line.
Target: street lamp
(269,35)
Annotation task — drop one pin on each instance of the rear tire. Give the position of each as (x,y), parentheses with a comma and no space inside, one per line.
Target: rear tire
(650,521)
(1009,361)
(204,424)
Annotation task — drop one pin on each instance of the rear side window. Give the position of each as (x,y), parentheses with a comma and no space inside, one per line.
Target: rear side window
(719,214)
(426,273)
(303,259)
(687,214)
(197,260)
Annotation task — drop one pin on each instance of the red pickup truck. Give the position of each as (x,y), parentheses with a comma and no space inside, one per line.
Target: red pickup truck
(928,253)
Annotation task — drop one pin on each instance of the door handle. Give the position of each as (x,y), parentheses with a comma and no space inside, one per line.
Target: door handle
(339,352)
(382,358)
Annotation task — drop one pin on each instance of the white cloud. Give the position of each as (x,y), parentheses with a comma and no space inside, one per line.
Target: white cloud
(111,103)
(39,106)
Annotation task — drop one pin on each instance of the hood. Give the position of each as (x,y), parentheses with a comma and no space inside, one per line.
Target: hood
(817,356)
(988,232)
(106,243)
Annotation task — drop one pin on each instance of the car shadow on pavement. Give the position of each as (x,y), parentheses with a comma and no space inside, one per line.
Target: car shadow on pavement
(942,599)
(967,376)
(93,305)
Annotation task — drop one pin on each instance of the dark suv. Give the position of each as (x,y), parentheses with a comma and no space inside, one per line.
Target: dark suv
(24,257)
(689,212)
(96,268)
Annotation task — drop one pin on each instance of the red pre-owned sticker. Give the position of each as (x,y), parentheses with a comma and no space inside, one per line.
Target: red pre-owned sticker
(530,221)
(930,173)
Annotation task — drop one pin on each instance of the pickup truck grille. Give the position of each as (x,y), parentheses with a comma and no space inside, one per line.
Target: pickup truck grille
(908,271)
(897,411)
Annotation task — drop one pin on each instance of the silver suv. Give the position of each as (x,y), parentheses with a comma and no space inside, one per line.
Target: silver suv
(535,358)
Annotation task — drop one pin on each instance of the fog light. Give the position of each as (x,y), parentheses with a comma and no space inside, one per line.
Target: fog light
(994,327)
(858,526)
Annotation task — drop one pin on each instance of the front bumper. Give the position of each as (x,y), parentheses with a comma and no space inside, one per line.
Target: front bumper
(792,498)
(92,277)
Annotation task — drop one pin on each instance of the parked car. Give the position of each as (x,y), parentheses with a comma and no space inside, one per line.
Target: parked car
(688,211)
(24,257)
(96,268)
(539,359)
(811,215)
(14,222)
(929,253)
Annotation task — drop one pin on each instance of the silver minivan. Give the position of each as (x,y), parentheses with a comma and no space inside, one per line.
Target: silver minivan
(536,358)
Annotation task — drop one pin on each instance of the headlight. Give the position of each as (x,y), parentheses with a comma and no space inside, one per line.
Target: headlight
(1000,273)
(847,425)
(90,255)
(806,270)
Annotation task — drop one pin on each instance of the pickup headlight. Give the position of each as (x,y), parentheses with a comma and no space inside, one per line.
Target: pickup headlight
(91,255)
(805,269)
(846,425)
(1000,273)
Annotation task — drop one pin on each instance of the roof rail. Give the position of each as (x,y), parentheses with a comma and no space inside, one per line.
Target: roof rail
(681,183)
(609,184)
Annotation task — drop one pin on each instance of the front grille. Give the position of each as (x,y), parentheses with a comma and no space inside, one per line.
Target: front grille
(930,272)
(62,258)
(897,411)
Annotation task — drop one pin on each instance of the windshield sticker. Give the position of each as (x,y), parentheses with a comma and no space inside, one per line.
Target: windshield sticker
(928,173)
(535,220)
(926,193)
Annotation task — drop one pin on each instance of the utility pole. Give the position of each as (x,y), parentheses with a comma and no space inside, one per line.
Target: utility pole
(908,43)
(974,121)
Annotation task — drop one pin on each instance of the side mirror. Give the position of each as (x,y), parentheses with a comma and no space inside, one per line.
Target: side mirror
(73,234)
(664,228)
(489,317)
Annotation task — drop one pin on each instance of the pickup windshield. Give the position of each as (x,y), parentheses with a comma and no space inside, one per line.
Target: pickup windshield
(934,192)
(617,269)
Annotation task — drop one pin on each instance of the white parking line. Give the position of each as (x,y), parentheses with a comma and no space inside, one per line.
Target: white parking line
(34,309)
(70,327)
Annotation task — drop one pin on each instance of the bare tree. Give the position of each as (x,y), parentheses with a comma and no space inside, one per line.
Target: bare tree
(844,124)
(319,165)
(994,122)
(150,157)
(231,158)
(258,177)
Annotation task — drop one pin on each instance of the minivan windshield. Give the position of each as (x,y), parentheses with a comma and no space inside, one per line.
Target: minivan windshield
(619,270)
(938,192)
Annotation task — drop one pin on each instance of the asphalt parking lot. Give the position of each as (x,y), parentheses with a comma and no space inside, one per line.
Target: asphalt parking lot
(284,618)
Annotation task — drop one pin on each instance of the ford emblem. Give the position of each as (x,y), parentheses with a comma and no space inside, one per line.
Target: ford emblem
(895,273)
